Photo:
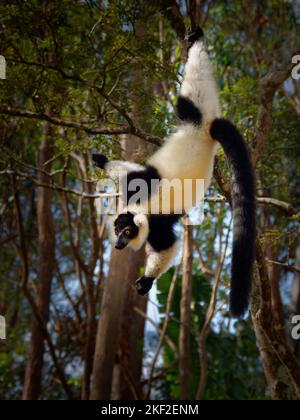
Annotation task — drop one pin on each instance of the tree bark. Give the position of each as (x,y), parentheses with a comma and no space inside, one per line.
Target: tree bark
(271,252)
(128,369)
(185,313)
(281,368)
(46,240)
(295,296)
(109,323)
(90,288)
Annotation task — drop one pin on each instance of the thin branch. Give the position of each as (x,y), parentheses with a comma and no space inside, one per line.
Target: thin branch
(169,342)
(287,266)
(282,205)
(204,269)
(222,182)
(164,328)
(207,323)
(42,116)
(57,187)
(161,374)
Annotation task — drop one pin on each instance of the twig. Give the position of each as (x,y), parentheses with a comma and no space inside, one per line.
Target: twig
(164,328)
(285,265)
(206,326)
(282,205)
(57,187)
(42,116)
(169,342)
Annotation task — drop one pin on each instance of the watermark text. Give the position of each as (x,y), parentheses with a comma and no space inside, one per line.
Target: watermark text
(155,197)
(2,67)
(296,328)
(296,69)
(2,328)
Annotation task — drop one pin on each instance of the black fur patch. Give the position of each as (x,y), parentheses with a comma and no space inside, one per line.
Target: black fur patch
(195,35)
(161,231)
(187,111)
(244,214)
(126,220)
(148,174)
(100,160)
(144,284)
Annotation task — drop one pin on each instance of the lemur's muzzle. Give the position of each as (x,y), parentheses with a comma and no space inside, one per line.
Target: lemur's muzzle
(122,242)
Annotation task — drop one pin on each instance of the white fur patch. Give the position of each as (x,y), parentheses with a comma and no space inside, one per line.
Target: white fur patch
(141,220)
(110,220)
(159,262)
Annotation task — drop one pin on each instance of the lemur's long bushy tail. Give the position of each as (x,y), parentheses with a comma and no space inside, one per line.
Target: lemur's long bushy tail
(243,206)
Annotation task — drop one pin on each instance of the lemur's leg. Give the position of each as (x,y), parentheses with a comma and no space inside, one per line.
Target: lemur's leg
(161,250)
(137,176)
(198,99)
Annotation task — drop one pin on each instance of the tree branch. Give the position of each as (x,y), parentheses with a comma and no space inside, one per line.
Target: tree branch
(42,116)
(268,87)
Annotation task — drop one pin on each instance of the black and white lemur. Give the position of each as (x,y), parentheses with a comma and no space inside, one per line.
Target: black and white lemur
(188,153)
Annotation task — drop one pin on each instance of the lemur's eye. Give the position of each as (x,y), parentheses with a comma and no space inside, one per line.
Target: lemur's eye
(127,232)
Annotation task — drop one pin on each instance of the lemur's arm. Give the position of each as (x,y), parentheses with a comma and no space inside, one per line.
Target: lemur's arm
(115,168)
(157,264)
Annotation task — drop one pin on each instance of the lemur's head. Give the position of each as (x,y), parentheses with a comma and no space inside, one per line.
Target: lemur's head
(125,229)
(131,229)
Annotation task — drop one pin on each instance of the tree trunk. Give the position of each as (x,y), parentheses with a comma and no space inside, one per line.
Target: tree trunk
(127,336)
(280,366)
(46,232)
(109,323)
(271,252)
(185,313)
(295,297)
(128,369)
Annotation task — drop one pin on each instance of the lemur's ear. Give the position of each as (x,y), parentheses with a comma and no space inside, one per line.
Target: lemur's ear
(140,220)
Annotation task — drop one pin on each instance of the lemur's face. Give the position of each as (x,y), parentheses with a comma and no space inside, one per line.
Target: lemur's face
(125,230)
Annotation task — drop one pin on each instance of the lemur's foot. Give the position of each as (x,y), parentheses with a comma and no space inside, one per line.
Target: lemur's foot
(193,36)
(143,285)
(100,160)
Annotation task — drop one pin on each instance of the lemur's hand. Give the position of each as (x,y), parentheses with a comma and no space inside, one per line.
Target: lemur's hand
(99,160)
(143,285)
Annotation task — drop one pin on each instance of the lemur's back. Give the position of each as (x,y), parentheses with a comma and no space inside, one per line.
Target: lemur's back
(187,154)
